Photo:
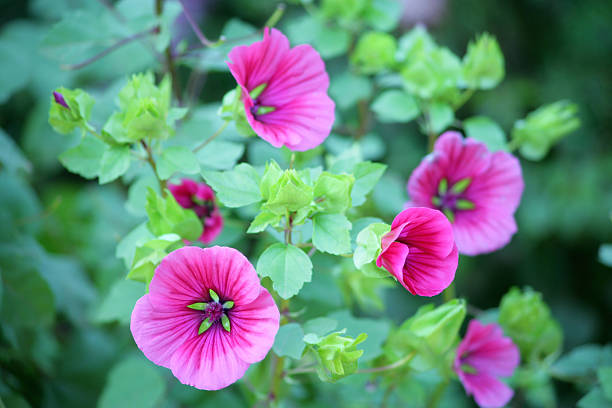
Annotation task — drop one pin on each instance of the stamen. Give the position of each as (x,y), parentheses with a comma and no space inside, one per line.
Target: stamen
(225,322)
(262,110)
(466,368)
(462,204)
(442,187)
(213,295)
(254,94)
(204,326)
(198,306)
(228,305)
(449,214)
(460,186)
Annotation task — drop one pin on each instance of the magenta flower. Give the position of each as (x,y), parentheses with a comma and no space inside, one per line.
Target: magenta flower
(420,251)
(284,91)
(483,355)
(477,190)
(206,317)
(200,198)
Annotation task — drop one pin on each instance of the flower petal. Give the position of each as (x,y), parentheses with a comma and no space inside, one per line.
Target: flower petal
(186,275)
(393,259)
(208,361)
(461,158)
(428,275)
(159,334)
(481,230)
(488,391)
(254,327)
(426,229)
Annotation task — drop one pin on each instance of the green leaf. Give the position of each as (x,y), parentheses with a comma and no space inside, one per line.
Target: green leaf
(441,116)
(219,155)
(383,15)
(487,131)
(134,382)
(262,221)
(483,64)
(127,246)
(605,254)
(395,106)
(595,399)
(167,216)
(289,193)
(369,243)
(288,267)
(331,233)
(11,157)
(115,162)
(604,375)
(347,89)
(366,176)
(320,326)
(332,192)
(237,187)
(65,119)
(85,159)
(330,41)
(118,304)
(149,255)
(176,159)
(581,364)
(289,341)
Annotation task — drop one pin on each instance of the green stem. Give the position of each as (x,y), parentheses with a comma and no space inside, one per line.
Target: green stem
(213,137)
(393,366)
(170,67)
(438,393)
(151,161)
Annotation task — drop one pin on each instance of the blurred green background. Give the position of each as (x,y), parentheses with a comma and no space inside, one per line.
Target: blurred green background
(67,228)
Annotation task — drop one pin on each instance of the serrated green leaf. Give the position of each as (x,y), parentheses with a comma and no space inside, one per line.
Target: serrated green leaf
(331,233)
(366,176)
(369,243)
(395,106)
(176,159)
(167,216)
(118,304)
(220,155)
(85,159)
(115,162)
(289,341)
(237,187)
(332,192)
(441,116)
(288,267)
(262,221)
(487,131)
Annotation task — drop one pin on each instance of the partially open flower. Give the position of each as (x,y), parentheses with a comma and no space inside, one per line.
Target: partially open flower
(200,198)
(482,356)
(477,190)
(206,317)
(420,251)
(284,91)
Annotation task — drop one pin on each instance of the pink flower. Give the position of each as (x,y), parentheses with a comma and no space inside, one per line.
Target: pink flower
(284,91)
(477,190)
(206,317)
(420,251)
(483,355)
(200,198)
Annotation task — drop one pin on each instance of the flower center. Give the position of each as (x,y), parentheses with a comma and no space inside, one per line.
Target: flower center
(257,109)
(213,311)
(450,200)
(203,208)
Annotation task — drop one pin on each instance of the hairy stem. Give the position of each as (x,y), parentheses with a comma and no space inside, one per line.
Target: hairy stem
(151,161)
(170,67)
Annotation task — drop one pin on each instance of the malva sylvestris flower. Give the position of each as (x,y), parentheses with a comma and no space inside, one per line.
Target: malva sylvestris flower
(200,198)
(420,251)
(284,91)
(477,190)
(206,317)
(483,355)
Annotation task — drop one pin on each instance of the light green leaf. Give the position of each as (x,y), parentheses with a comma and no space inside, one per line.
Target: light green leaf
(134,382)
(11,157)
(288,267)
(115,162)
(331,233)
(237,187)
(332,192)
(369,243)
(262,221)
(441,116)
(220,155)
(289,341)
(320,326)
(366,176)
(84,159)
(149,255)
(176,159)
(487,131)
(383,15)
(119,302)
(395,106)
(582,363)
(604,375)
(167,216)
(374,52)
(347,89)
(605,254)
(595,399)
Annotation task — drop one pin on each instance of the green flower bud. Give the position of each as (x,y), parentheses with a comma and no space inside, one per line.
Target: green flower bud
(527,320)
(332,192)
(232,108)
(338,356)
(144,111)
(483,64)
(542,128)
(432,332)
(368,243)
(69,109)
(289,193)
(375,51)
